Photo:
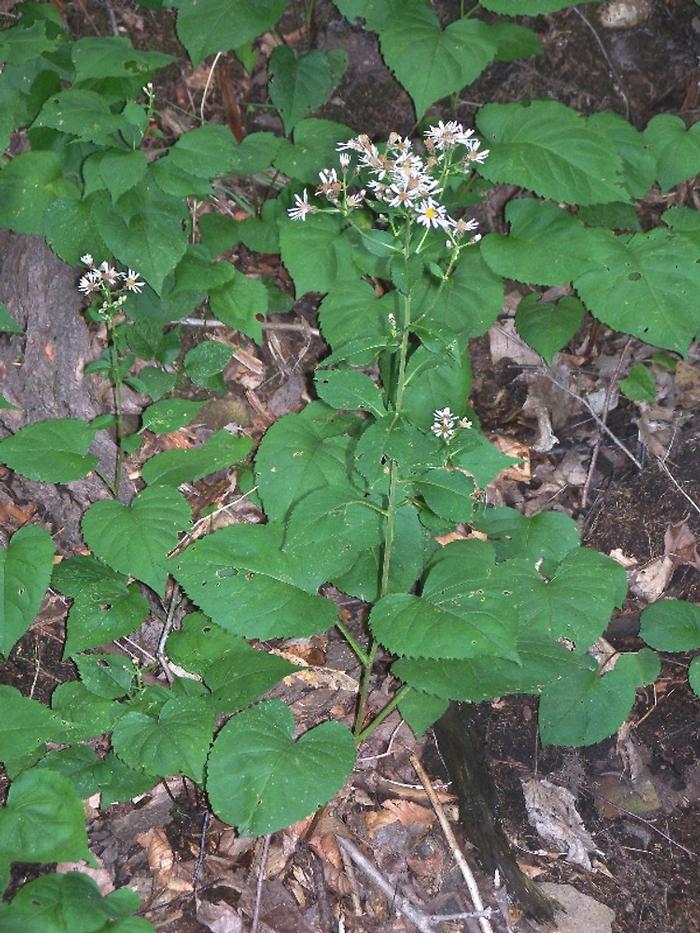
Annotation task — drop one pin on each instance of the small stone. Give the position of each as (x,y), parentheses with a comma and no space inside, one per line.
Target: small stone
(624,14)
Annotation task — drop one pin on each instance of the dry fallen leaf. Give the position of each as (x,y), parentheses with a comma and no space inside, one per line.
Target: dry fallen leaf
(406,812)
(161,860)
(551,809)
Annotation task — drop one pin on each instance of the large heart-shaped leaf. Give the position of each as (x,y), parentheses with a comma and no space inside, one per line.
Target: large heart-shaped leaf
(671,625)
(318,235)
(545,146)
(29,183)
(242,579)
(25,571)
(177,742)
(586,707)
(27,725)
(429,61)
(174,467)
(548,326)
(657,271)
(53,451)
(675,147)
(135,540)
(302,452)
(300,84)
(260,780)
(206,26)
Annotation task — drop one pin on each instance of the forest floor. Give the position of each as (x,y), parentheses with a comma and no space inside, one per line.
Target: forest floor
(638,794)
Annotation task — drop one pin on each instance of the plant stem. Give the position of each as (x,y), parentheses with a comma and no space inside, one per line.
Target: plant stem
(117,379)
(354,644)
(382,714)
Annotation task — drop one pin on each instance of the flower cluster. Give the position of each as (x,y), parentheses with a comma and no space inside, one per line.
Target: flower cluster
(106,278)
(444,422)
(400,178)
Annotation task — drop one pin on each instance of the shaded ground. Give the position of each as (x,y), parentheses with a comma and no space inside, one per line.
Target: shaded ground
(645,819)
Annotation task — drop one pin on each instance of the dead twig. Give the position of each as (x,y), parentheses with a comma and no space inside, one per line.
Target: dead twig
(452,842)
(662,465)
(601,424)
(616,80)
(352,879)
(419,919)
(604,418)
(202,850)
(259,886)
(167,628)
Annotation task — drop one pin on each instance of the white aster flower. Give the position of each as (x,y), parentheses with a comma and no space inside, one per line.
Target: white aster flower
(90,282)
(464,423)
(445,134)
(108,273)
(400,196)
(443,430)
(330,187)
(475,153)
(302,207)
(131,282)
(87,260)
(355,200)
(344,160)
(431,214)
(443,414)
(462,226)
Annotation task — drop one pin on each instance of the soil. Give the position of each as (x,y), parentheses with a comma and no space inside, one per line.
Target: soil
(645,819)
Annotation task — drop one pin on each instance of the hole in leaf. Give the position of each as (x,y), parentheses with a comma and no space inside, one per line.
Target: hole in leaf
(634,276)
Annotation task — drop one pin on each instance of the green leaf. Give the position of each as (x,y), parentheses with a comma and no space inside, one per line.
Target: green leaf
(675,147)
(319,236)
(83,715)
(512,41)
(335,524)
(105,606)
(174,467)
(114,69)
(4,403)
(206,152)
(587,707)
(657,271)
(671,625)
(169,414)
(118,783)
(83,114)
(70,229)
(260,780)
(550,149)
(256,153)
(301,84)
(575,602)
(639,384)
(435,380)
(53,451)
(28,724)
(204,364)
(471,451)
(135,540)
(144,231)
(42,820)
(303,452)
(106,675)
(155,382)
(72,903)
(351,308)
(431,62)
(548,536)
(78,763)
(25,572)
(615,215)
(29,183)
(8,325)
(237,674)
(525,7)
(314,146)
(548,326)
(177,742)
(206,26)
(242,579)
(121,171)
(241,303)
(694,676)
(420,710)
(448,494)
(546,245)
(392,438)
(349,390)
(637,161)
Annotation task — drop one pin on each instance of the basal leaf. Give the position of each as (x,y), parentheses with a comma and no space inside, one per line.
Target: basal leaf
(546,245)
(135,540)
(302,452)
(317,235)
(639,384)
(82,114)
(110,676)
(207,151)
(675,147)
(657,271)
(242,579)
(300,84)
(548,536)
(43,820)
(206,26)
(671,625)
(70,229)
(548,326)
(436,381)
(177,742)
(550,149)
(314,146)
(53,451)
(637,161)
(121,171)
(448,493)
(586,707)
(205,364)
(260,780)
(169,414)
(82,714)
(28,724)
(25,572)
(174,467)
(420,710)
(237,674)
(29,183)
(431,62)
(241,303)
